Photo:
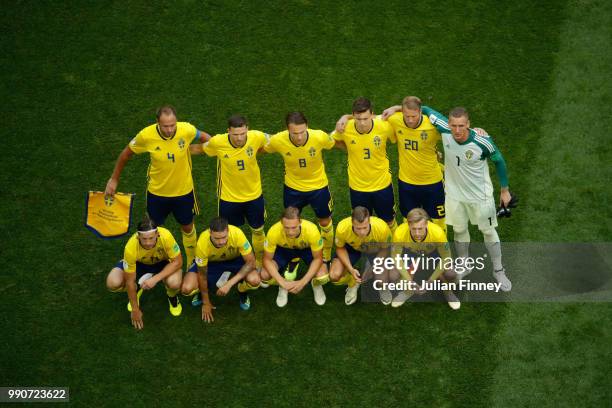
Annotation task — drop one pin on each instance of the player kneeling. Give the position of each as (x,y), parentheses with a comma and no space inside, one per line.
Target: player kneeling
(293,237)
(224,257)
(151,255)
(358,235)
(421,238)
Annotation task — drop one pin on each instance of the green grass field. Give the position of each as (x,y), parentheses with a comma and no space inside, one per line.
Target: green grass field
(80,79)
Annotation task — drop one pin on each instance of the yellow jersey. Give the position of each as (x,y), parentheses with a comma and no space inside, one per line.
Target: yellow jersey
(237,245)
(169,173)
(378,237)
(309,237)
(368,163)
(238,177)
(165,248)
(418,159)
(304,167)
(435,240)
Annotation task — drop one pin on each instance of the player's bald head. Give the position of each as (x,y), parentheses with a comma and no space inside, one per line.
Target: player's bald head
(165,110)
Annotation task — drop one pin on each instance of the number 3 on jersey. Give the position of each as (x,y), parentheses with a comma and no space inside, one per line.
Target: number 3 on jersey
(366,153)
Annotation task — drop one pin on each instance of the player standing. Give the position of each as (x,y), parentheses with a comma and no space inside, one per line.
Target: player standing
(238,178)
(365,138)
(170,183)
(420,176)
(469,191)
(305,179)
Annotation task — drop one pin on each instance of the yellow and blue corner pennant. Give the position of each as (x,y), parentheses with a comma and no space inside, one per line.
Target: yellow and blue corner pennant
(108,216)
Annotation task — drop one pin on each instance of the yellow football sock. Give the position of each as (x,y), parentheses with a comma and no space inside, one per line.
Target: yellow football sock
(123,289)
(171,292)
(320,280)
(327,233)
(246,286)
(190,241)
(257,239)
(270,281)
(193,292)
(346,279)
(440,222)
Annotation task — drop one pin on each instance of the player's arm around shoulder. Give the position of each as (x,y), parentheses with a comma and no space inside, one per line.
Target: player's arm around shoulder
(387,113)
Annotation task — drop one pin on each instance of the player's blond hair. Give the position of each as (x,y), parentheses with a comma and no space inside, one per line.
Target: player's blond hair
(411,102)
(417,215)
(291,213)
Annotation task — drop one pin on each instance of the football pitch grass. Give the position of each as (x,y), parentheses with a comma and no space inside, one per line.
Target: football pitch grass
(79,80)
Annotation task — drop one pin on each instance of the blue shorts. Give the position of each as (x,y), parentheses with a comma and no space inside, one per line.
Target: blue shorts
(380,203)
(320,200)
(142,269)
(216,269)
(235,213)
(282,256)
(355,255)
(430,197)
(182,207)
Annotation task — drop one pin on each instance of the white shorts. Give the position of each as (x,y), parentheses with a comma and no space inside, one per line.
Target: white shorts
(459,213)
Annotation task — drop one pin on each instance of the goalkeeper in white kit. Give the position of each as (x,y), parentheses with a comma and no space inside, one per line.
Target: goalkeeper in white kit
(469,191)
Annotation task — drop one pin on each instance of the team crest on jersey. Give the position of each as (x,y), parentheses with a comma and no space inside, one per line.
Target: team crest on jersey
(423,135)
(181,143)
(109,200)
(312,151)
(249,151)
(377,141)
(469,154)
